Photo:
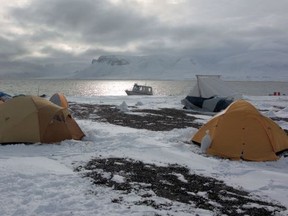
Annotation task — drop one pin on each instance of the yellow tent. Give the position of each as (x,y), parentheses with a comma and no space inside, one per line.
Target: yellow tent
(31,119)
(242,132)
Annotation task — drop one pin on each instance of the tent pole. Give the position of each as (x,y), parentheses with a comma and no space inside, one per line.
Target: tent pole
(198,86)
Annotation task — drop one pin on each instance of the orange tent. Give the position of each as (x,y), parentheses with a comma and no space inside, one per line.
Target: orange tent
(60,100)
(242,132)
(31,119)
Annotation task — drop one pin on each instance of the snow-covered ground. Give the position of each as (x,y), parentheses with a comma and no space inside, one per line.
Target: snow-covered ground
(39,179)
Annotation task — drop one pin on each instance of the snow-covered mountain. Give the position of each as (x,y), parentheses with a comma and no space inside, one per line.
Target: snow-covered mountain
(257,65)
(252,65)
(27,70)
(138,67)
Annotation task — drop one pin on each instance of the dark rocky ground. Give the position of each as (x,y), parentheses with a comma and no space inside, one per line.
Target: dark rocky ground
(175,183)
(155,120)
(164,181)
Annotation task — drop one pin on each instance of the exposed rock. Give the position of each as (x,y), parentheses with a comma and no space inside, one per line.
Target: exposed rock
(110,60)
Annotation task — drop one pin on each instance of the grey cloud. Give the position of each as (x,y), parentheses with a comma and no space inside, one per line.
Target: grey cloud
(42,34)
(9,49)
(212,28)
(94,20)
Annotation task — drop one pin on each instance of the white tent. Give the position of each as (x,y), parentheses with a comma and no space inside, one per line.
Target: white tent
(210,94)
(211,85)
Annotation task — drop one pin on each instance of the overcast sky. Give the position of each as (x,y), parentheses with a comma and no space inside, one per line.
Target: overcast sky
(50,30)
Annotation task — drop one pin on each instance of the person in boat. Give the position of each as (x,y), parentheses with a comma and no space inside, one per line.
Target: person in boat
(136,87)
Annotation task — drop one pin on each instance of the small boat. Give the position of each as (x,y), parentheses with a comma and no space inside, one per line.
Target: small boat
(140,90)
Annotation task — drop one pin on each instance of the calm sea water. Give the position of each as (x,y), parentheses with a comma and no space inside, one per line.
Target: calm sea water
(118,87)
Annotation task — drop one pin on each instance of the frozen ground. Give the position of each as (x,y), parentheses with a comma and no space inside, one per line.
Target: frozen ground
(45,179)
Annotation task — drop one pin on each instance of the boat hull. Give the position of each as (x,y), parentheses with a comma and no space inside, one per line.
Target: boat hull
(136,93)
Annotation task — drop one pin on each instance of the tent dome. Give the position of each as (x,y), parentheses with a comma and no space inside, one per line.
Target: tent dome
(31,119)
(242,132)
(59,99)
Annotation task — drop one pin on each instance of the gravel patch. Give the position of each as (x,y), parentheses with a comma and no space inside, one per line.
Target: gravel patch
(175,183)
(156,120)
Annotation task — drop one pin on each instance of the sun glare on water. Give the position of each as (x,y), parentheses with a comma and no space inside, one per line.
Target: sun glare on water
(109,88)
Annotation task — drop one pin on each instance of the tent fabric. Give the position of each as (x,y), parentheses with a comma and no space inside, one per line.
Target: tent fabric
(210,94)
(213,104)
(4,96)
(211,85)
(216,104)
(242,132)
(74,128)
(31,119)
(59,99)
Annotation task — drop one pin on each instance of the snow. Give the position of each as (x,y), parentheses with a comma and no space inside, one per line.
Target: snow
(254,64)
(39,179)
(205,142)
(250,65)
(123,107)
